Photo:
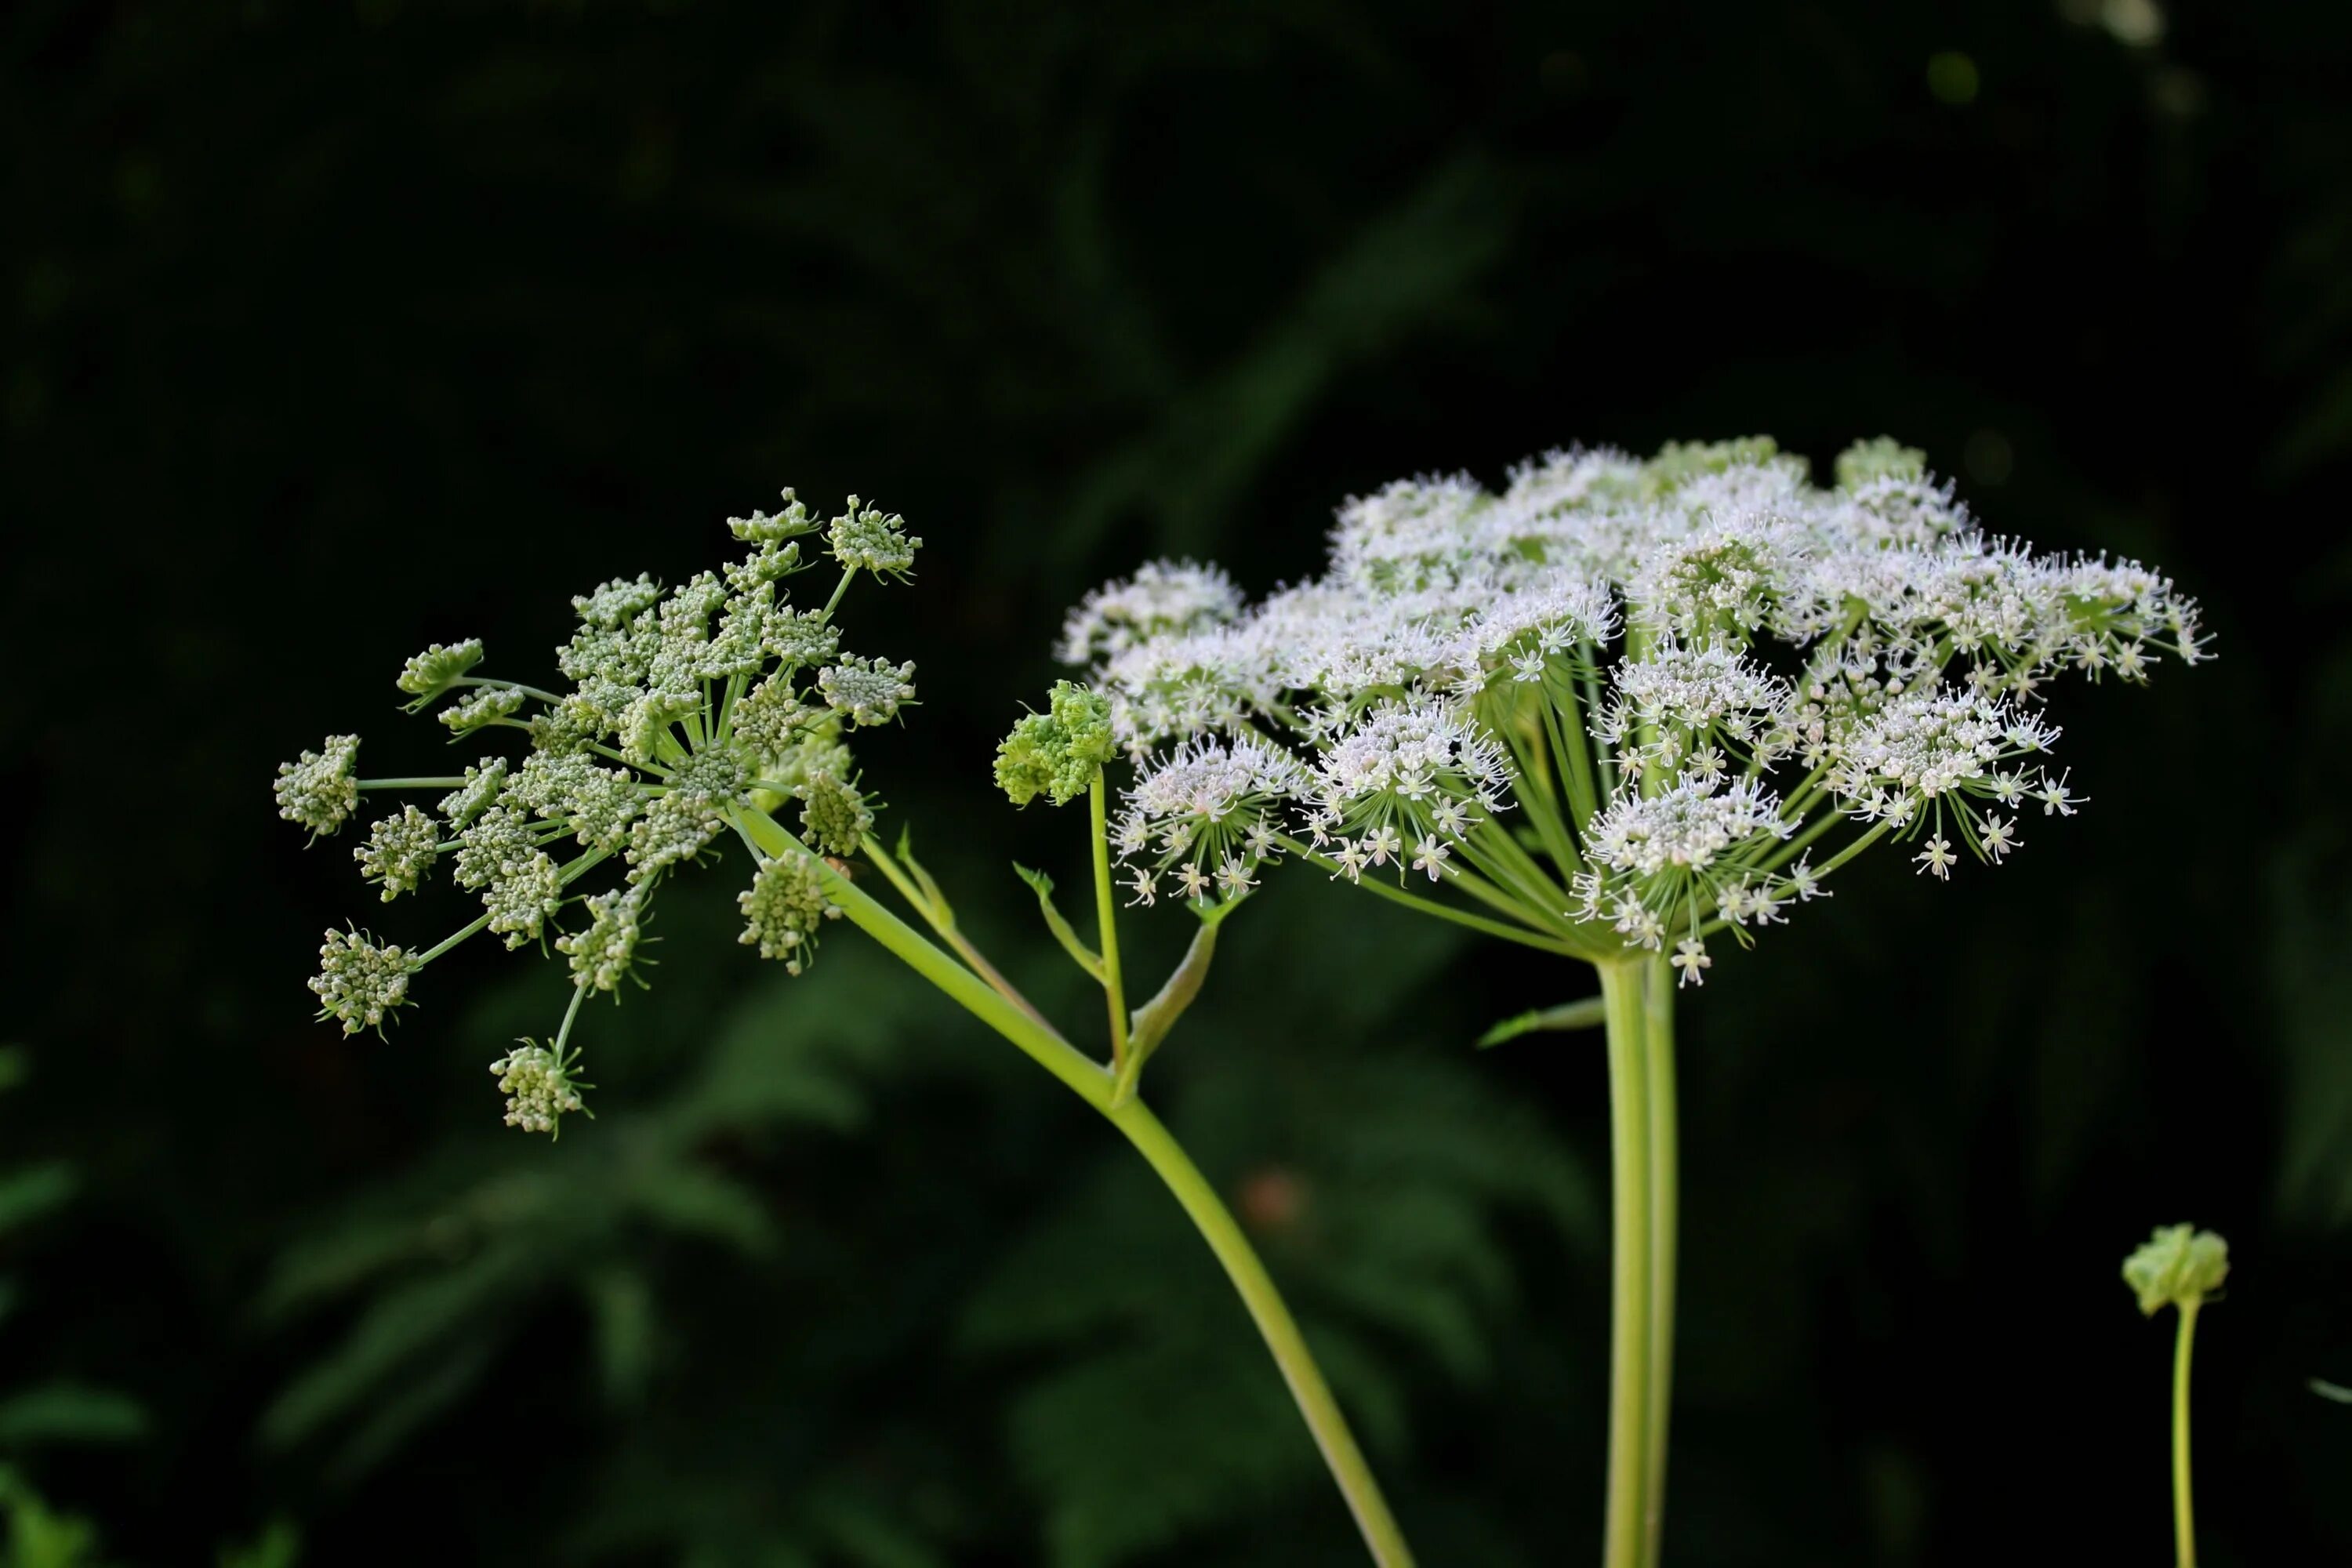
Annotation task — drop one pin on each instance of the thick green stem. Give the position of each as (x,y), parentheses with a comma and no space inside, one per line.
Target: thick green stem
(1658,1056)
(2184,1522)
(1201,1203)
(1257,1289)
(1627,1535)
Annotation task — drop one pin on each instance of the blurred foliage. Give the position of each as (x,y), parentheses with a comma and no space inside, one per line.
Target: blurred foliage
(333,329)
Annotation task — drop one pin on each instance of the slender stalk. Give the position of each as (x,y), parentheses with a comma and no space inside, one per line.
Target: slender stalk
(2184,1522)
(543,696)
(1431,906)
(1658,1056)
(1091,1083)
(1107,922)
(942,923)
(1627,1535)
(1257,1289)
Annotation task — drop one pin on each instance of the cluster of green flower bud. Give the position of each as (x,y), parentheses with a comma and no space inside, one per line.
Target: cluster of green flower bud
(866,538)
(400,850)
(2176,1265)
(487,705)
(835,816)
(437,669)
(782,910)
(867,691)
(1059,753)
(690,709)
(539,1088)
(606,948)
(360,984)
(318,790)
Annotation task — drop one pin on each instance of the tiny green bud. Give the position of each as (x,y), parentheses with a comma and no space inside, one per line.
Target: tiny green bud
(2177,1266)
(318,790)
(430,673)
(1056,754)
(1883,458)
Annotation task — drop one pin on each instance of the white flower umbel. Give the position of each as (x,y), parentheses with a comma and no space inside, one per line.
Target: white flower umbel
(1614,712)
(688,708)
(1703,650)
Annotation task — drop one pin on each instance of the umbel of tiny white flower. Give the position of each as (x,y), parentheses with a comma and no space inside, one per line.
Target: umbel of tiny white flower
(1621,703)
(686,707)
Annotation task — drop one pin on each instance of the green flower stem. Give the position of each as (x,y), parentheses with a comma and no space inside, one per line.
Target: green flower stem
(1106,921)
(1227,1240)
(2184,1522)
(942,920)
(1088,1080)
(550,697)
(1658,1057)
(441,783)
(1626,1533)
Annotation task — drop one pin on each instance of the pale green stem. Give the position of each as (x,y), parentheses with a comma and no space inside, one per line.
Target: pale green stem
(443,782)
(1257,1291)
(2184,1522)
(447,942)
(1625,1536)
(942,923)
(1107,921)
(1200,1200)
(1658,1056)
(533,691)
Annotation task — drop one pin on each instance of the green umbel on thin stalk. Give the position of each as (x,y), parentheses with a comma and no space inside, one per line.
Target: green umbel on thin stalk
(2179,1267)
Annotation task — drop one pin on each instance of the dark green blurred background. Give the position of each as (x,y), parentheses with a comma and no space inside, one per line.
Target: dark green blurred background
(329,330)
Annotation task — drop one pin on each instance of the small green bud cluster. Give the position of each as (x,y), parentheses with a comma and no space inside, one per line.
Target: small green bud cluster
(400,850)
(487,705)
(2176,1265)
(867,691)
(318,790)
(1059,753)
(358,983)
(690,709)
(602,952)
(539,1088)
(866,539)
(435,670)
(835,816)
(783,909)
